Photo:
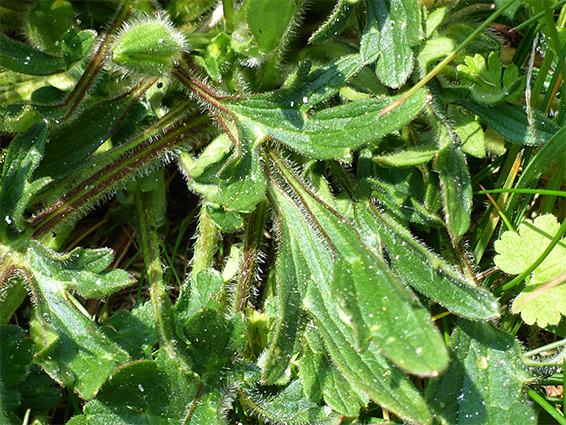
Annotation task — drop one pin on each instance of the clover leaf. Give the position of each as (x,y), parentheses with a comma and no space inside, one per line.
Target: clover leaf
(485,79)
(517,251)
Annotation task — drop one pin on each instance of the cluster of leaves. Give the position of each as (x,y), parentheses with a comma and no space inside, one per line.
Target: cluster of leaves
(334,125)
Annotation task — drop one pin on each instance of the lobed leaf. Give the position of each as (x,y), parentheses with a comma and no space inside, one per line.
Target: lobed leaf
(391,31)
(516,251)
(69,345)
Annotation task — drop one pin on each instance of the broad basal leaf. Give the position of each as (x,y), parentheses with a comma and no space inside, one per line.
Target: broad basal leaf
(142,392)
(22,384)
(69,345)
(330,133)
(517,251)
(17,354)
(213,340)
(485,380)
(355,274)
(391,32)
(134,331)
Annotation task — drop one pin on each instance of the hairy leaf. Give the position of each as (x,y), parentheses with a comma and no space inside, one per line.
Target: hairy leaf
(290,406)
(426,272)
(484,384)
(269,21)
(321,378)
(69,345)
(456,188)
(330,133)
(355,274)
(335,23)
(508,120)
(21,160)
(139,393)
(19,57)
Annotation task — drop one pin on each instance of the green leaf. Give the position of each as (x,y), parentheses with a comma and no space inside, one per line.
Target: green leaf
(241,183)
(69,345)
(65,151)
(330,247)
(330,133)
(47,22)
(508,120)
(407,158)
(484,384)
(269,22)
(456,188)
(287,329)
(17,354)
(517,251)
(203,292)
(321,378)
(227,221)
(369,370)
(22,158)
(322,83)
(469,131)
(289,406)
(401,190)
(213,340)
(139,393)
(134,331)
(391,31)
(38,390)
(335,23)
(76,45)
(425,271)
(235,181)
(486,83)
(19,57)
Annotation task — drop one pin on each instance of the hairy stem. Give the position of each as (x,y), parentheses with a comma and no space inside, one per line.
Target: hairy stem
(111,176)
(252,243)
(150,247)
(207,243)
